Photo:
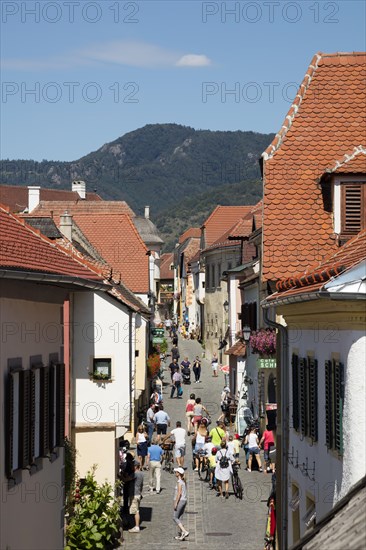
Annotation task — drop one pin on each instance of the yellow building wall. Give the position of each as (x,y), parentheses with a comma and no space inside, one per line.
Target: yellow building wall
(97,447)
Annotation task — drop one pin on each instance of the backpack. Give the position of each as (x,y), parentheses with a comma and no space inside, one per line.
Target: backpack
(224,461)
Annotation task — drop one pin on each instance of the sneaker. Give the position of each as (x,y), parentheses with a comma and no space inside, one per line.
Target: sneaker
(227,495)
(249,470)
(134,529)
(260,470)
(158,492)
(184,535)
(178,537)
(195,470)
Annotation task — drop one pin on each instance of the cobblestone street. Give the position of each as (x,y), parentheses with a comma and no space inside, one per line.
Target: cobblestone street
(212,523)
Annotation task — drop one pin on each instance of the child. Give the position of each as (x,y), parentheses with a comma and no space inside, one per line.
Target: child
(212,467)
(236,447)
(230,445)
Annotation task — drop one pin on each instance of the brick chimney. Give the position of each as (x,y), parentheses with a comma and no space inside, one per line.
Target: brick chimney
(80,188)
(33,196)
(66,225)
(147,212)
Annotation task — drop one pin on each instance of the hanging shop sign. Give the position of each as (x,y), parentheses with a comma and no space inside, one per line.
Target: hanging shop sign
(266,362)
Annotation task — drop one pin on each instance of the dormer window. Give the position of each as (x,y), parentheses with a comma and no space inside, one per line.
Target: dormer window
(349,205)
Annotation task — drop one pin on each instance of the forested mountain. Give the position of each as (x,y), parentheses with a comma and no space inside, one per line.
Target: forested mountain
(180,172)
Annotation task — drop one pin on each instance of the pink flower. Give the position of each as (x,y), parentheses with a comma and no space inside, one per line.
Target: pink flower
(263,342)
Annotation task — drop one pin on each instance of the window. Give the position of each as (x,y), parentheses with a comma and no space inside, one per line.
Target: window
(207,277)
(305,396)
(102,369)
(35,415)
(248,315)
(213,278)
(219,275)
(334,396)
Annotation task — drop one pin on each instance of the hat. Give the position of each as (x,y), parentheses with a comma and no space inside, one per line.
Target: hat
(179,470)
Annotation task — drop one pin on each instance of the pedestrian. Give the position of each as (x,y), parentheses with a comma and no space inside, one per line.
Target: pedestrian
(136,496)
(185,364)
(155,454)
(253,448)
(212,468)
(197,369)
(199,440)
(223,470)
(127,476)
(150,420)
(177,384)
(218,434)
(225,403)
(173,367)
(214,364)
(180,502)
(175,352)
(155,397)
(268,442)
(208,446)
(189,412)
(198,411)
(179,435)
(142,442)
(162,421)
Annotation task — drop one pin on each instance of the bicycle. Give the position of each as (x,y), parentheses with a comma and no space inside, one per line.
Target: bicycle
(237,486)
(168,457)
(203,466)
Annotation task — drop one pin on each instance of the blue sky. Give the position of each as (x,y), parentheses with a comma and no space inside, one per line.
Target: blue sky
(78,74)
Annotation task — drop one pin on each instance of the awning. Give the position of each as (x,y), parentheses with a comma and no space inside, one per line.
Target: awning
(238,349)
(225,369)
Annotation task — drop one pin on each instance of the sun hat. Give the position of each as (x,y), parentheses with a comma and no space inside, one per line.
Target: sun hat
(179,470)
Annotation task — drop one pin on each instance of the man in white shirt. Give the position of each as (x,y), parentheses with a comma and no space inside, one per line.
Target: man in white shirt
(179,435)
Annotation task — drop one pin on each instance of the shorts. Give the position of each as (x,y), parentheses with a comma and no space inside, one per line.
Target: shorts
(254,450)
(134,504)
(180,451)
(189,414)
(215,366)
(161,429)
(196,419)
(198,446)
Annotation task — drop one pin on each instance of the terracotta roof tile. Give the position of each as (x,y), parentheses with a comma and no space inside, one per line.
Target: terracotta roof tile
(57,208)
(166,261)
(221,220)
(325,130)
(117,240)
(238,349)
(16,196)
(314,277)
(24,248)
(192,232)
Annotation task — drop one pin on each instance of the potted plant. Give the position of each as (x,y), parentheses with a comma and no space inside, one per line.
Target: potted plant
(263,342)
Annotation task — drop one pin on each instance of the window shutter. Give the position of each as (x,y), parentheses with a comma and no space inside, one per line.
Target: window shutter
(60,404)
(52,407)
(353,208)
(313,398)
(295,392)
(44,412)
(338,406)
(24,419)
(329,404)
(9,427)
(303,396)
(32,406)
(252,308)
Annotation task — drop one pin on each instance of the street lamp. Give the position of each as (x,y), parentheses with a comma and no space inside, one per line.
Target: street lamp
(246,333)
(226,306)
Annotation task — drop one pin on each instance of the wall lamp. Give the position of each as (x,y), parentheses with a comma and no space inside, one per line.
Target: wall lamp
(226,306)
(246,333)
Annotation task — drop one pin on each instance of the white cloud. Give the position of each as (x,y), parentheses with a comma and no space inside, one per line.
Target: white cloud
(193,60)
(121,52)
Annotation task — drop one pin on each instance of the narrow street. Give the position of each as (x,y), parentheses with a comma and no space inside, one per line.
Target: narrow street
(212,523)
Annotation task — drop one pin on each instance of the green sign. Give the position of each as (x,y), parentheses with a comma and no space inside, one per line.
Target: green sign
(158,340)
(266,363)
(157,332)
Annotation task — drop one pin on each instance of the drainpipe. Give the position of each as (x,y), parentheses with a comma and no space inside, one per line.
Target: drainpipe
(284,427)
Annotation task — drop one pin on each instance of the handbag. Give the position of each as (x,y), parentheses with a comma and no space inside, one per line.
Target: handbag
(180,391)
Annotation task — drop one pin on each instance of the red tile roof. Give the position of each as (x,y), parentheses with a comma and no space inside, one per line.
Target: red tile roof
(352,163)
(57,208)
(221,220)
(190,251)
(238,349)
(26,249)
(117,240)
(166,260)
(16,196)
(192,232)
(350,254)
(325,122)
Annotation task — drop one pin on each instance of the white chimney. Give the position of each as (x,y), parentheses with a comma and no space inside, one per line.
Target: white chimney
(66,225)
(33,197)
(80,187)
(147,212)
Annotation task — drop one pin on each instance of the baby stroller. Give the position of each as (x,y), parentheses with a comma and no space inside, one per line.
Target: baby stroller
(186,375)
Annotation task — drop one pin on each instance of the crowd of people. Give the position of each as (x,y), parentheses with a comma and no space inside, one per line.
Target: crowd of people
(220,447)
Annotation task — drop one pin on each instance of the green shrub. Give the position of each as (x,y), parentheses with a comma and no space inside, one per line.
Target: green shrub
(95,520)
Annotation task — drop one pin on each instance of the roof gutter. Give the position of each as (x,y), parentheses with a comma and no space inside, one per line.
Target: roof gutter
(284,426)
(311,296)
(53,279)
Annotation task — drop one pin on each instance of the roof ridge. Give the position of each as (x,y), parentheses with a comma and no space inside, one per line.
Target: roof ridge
(359,149)
(292,112)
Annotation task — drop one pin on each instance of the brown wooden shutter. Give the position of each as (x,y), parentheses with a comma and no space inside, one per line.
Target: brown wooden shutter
(353,208)
(44,413)
(24,419)
(32,406)
(313,399)
(9,427)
